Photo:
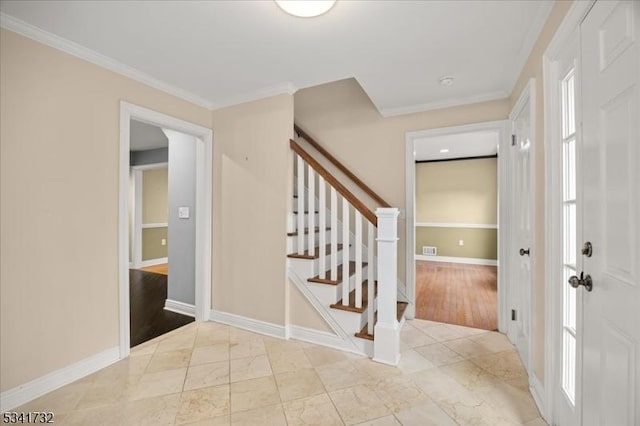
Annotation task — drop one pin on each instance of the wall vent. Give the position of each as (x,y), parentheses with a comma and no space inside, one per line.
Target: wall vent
(429,251)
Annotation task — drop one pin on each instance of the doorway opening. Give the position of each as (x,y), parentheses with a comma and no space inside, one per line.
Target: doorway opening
(165,224)
(456,228)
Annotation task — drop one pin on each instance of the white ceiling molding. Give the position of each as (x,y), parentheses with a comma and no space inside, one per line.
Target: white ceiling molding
(10,23)
(391,112)
(530,40)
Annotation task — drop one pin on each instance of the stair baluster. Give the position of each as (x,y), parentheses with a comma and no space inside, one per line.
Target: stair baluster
(345,252)
(301,195)
(311,200)
(322,226)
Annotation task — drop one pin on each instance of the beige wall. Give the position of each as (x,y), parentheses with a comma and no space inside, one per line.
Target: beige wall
(60,119)
(533,69)
(155,195)
(478,243)
(152,247)
(464,191)
(342,118)
(252,187)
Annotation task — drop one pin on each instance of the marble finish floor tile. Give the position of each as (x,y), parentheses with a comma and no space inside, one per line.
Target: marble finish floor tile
(213,374)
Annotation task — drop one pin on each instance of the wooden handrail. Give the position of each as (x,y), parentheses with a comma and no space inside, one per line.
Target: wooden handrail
(348,195)
(340,166)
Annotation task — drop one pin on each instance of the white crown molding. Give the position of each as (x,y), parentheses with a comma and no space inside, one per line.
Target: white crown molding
(180,308)
(450,259)
(529,42)
(16,25)
(22,394)
(257,326)
(411,109)
(266,92)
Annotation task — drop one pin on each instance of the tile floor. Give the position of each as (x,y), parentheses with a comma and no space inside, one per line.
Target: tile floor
(212,374)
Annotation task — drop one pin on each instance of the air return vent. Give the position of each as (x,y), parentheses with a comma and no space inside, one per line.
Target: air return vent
(429,251)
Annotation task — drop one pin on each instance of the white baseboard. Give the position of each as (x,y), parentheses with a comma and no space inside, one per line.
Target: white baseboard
(537,391)
(321,338)
(180,308)
(467,260)
(250,324)
(154,262)
(22,394)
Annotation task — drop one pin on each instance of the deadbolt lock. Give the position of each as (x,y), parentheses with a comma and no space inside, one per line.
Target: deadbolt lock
(587,249)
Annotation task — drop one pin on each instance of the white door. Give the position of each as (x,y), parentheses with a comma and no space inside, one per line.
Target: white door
(520,286)
(611,214)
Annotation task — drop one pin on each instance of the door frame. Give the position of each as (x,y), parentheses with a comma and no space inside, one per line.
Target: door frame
(204,236)
(565,34)
(504,197)
(136,222)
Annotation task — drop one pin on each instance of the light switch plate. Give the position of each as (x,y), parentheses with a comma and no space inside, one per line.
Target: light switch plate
(183,212)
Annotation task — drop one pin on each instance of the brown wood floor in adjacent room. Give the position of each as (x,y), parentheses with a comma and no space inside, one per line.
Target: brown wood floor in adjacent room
(149,319)
(457,293)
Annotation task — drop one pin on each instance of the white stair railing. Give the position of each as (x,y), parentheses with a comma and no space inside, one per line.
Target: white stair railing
(383,224)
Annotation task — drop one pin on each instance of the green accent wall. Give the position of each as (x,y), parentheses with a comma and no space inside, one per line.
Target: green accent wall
(478,243)
(152,247)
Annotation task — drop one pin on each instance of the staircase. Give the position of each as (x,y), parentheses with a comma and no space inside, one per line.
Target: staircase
(343,256)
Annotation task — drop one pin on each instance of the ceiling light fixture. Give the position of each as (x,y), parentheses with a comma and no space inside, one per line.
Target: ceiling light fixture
(446,81)
(444,150)
(305,8)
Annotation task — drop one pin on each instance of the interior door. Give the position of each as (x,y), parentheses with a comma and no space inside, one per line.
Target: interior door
(611,216)
(520,287)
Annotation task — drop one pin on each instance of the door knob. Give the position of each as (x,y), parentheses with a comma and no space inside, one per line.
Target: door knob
(523,252)
(584,280)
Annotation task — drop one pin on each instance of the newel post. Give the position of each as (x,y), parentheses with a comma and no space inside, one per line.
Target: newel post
(386,345)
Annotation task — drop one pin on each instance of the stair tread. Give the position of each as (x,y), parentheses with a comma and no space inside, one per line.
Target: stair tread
(352,271)
(306,254)
(351,307)
(401,307)
(306,231)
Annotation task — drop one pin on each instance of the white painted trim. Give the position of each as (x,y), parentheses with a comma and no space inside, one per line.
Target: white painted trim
(539,20)
(491,96)
(457,225)
(318,337)
(136,243)
(154,225)
(503,180)
(23,28)
(527,97)
(204,230)
(257,326)
(452,259)
(180,308)
(29,391)
(153,262)
(566,32)
(539,395)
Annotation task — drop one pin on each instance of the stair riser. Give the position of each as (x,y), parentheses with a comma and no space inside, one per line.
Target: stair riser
(330,294)
(292,242)
(308,268)
(351,320)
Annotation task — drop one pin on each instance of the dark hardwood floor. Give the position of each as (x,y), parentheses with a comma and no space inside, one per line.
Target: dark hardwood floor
(457,293)
(147,294)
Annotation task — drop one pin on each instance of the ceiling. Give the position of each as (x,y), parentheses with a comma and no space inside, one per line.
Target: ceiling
(145,136)
(219,53)
(460,145)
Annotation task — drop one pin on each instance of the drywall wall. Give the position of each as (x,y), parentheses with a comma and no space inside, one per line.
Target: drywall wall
(457,192)
(341,117)
(252,190)
(533,69)
(182,230)
(464,191)
(152,247)
(61,119)
(477,243)
(155,195)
